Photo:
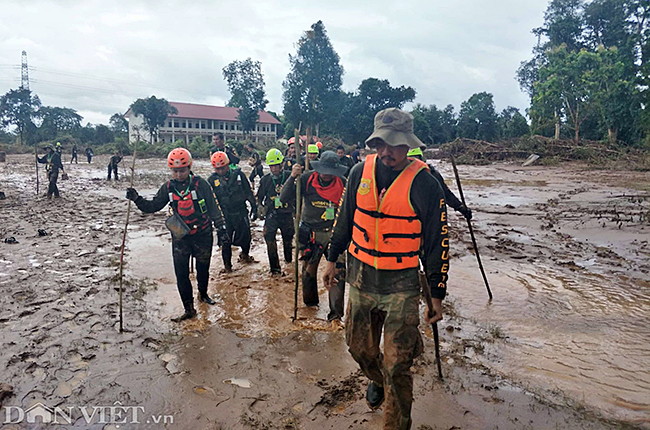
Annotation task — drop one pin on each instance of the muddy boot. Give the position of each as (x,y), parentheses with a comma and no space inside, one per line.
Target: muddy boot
(309,290)
(190,313)
(204,298)
(246,259)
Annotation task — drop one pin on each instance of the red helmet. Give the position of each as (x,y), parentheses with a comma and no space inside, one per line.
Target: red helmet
(292,140)
(179,157)
(219,159)
(320,145)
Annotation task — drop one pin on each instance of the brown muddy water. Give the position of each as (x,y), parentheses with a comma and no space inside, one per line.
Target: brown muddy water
(565,339)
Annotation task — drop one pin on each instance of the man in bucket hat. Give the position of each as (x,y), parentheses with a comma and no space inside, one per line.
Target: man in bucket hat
(392,215)
(321,190)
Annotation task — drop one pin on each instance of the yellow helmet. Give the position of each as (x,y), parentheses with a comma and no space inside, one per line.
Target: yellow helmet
(415,152)
(274,156)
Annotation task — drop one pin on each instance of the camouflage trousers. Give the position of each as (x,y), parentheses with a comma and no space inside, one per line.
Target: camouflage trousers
(398,315)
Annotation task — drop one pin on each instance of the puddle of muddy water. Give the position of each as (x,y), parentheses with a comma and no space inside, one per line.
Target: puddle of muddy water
(581,331)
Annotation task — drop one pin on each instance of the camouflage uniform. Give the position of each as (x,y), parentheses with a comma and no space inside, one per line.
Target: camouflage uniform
(398,315)
(389,299)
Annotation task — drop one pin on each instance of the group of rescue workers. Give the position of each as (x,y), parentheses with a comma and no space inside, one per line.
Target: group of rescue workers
(378,222)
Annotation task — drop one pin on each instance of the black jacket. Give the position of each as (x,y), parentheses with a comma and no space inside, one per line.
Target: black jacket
(232,191)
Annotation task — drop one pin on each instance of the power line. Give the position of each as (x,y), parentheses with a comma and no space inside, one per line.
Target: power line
(110,80)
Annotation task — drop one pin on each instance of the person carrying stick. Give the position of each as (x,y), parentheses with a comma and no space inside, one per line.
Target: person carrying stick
(393,213)
(194,212)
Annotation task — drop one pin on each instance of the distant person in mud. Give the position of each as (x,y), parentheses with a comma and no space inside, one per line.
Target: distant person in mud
(256,162)
(52,161)
(393,212)
(232,191)
(278,215)
(89,154)
(74,154)
(355,154)
(218,144)
(450,197)
(112,165)
(290,155)
(321,191)
(194,212)
(59,149)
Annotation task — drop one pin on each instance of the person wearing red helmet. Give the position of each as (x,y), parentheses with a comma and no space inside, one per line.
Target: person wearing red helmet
(194,212)
(232,190)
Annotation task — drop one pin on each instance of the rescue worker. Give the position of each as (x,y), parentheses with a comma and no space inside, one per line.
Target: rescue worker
(290,155)
(393,212)
(218,144)
(345,160)
(321,191)
(52,161)
(74,154)
(112,165)
(278,215)
(312,153)
(450,197)
(89,154)
(355,154)
(232,190)
(59,149)
(190,199)
(256,163)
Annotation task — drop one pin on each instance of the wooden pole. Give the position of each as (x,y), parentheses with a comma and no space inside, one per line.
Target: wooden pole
(430,312)
(471,230)
(126,224)
(296,226)
(36,154)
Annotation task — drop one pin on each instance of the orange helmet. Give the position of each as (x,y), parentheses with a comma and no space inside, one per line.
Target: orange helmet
(219,159)
(179,157)
(320,145)
(292,140)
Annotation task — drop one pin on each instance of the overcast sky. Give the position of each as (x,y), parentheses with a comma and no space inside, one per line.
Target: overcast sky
(98,57)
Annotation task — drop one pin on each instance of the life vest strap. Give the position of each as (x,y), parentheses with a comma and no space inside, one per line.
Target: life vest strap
(375,253)
(363,230)
(402,235)
(377,214)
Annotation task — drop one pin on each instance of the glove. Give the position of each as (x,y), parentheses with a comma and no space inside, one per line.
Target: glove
(223,239)
(132,194)
(466,212)
(253,213)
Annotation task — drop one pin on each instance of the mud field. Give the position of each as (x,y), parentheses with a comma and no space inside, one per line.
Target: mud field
(563,345)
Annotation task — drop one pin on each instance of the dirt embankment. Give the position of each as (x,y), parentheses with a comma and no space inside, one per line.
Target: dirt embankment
(242,364)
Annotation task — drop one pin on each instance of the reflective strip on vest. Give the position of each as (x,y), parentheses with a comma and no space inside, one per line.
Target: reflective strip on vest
(386,235)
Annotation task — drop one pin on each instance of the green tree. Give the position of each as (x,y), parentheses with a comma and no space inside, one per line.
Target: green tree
(432,125)
(477,118)
(312,89)
(103,134)
(564,24)
(359,109)
(154,113)
(19,108)
(57,119)
(119,125)
(512,123)
(246,84)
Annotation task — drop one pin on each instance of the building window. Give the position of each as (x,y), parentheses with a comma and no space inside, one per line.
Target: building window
(272,127)
(169,124)
(209,124)
(221,126)
(196,125)
(202,124)
(176,124)
(184,124)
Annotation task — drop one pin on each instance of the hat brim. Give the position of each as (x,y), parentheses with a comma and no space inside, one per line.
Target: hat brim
(326,169)
(394,138)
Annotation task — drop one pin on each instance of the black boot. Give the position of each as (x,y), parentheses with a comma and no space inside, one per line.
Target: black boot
(190,313)
(309,290)
(204,298)
(375,395)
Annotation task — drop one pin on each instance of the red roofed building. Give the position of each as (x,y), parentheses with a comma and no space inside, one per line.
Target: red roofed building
(195,120)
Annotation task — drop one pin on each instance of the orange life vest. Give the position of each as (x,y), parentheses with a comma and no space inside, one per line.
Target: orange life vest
(187,204)
(387,234)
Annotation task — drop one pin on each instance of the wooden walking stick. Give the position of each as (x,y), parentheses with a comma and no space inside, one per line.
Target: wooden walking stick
(471,230)
(126,224)
(296,227)
(430,312)
(36,154)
